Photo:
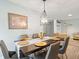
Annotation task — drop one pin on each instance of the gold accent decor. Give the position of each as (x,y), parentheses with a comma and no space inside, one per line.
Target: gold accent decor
(22,43)
(41,44)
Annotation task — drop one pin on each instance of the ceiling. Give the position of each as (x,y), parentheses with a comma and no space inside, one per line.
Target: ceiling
(56,9)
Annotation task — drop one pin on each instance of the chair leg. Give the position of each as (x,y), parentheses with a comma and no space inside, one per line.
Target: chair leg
(62,56)
(66,56)
(58,58)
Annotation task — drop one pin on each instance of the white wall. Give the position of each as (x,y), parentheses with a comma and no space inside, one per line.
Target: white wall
(9,35)
(63,26)
(73,26)
(57,26)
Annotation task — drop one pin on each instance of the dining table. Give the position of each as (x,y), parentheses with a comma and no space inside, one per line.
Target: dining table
(28,46)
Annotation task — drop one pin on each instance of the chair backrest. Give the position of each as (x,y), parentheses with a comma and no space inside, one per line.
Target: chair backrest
(24,36)
(4,50)
(53,51)
(64,47)
(35,35)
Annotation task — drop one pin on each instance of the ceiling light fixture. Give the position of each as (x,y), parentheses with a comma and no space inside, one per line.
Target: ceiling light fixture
(44,15)
(69,15)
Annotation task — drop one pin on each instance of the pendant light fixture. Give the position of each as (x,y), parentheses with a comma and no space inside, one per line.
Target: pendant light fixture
(44,15)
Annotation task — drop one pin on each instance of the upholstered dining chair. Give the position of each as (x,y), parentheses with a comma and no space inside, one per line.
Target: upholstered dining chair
(52,52)
(7,54)
(63,48)
(23,37)
(35,35)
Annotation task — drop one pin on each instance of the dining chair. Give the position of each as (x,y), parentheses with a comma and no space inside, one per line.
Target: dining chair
(7,54)
(35,35)
(52,52)
(63,48)
(23,37)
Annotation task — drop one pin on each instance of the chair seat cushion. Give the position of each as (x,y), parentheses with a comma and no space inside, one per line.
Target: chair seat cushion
(41,55)
(11,53)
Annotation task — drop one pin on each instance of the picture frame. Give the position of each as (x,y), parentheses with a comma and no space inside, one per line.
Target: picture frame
(16,21)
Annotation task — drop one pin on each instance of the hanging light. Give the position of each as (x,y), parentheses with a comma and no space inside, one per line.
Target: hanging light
(44,15)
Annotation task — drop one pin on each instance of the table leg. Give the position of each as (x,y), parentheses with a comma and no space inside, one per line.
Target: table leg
(18,52)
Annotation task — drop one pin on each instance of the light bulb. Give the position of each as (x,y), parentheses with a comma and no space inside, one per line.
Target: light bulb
(44,20)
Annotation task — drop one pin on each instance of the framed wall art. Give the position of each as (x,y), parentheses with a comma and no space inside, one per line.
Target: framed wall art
(17,21)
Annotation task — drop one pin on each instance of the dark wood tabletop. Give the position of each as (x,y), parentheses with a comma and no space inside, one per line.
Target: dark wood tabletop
(32,48)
